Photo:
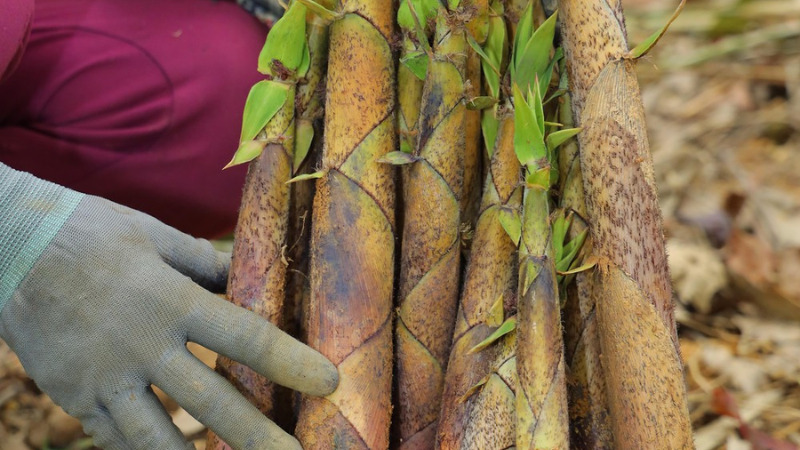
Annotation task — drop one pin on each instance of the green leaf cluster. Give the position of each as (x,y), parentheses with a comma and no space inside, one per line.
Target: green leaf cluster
(531,54)
(416,19)
(569,259)
(285,58)
(265,99)
(531,69)
(285,48)
(415,14)
(492,57)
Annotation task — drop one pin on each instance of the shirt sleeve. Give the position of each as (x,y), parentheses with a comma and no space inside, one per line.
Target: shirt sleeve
(15,25)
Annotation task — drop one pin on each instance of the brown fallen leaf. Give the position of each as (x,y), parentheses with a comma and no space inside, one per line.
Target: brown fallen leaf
(724,404)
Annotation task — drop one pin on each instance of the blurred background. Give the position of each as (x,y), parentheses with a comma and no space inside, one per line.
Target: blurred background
(722,95)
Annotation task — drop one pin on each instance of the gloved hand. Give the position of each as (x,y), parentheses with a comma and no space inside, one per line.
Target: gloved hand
(100,301)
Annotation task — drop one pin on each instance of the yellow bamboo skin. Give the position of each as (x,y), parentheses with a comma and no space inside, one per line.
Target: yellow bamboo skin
(352,250)
(586,388)
(473,150)
(258,274)
(541,403)
(644,377)
(430,259)
(485,419)
(409,93)
(631,287)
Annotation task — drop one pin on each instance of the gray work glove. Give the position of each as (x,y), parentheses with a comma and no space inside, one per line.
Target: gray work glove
(100,301)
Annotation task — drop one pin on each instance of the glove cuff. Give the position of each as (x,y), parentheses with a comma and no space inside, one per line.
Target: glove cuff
(31,213)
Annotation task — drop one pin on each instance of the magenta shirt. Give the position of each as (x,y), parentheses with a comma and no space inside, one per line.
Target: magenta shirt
(139,102)
(15,25)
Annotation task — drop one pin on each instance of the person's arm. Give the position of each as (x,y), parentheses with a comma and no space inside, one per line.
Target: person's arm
(98,301)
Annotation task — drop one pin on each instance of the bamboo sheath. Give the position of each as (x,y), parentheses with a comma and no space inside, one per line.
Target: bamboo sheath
(352,238)
(542,414)
(588,406)
(631,286)
(309,103)
(485,418)
(430,258)
(262,252)
(258,274)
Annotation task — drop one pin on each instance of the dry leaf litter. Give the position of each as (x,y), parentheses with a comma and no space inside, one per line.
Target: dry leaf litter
(722,93)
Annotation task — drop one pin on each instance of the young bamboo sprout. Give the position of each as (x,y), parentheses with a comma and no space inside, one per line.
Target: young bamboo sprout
(416,21)
(258,274)
(541,402)
(631,286)
(478,400)
(352,238)
(430,258)
(307,149)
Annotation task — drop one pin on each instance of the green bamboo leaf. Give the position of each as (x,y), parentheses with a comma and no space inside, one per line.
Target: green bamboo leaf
(398,158)
(507,327)
(570,251)
(247,151)
(485,58)
(529,272)
(417,63)
(547,75)
(478,103)
(493,49)
(553,172)
(264,100)
(321,11)
(414,15)
(305,64)
(512,223)
(308,176)
(560,226)
(304,135)
(524,33)
(642,49)
(494,318)
(425,10)
(557,93)
(535,57)
(556,138)
(489,127)
(406,147)
(489,62)
(537,105)
(590,262)
(529,143)
(286,41)
(492,80)
(472,390)
(572,247)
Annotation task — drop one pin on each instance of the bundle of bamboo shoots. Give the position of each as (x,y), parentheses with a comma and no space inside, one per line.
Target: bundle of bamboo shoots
(420,99)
